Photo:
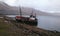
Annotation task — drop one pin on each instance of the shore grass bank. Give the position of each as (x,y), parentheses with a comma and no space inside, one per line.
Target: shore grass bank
(9,29)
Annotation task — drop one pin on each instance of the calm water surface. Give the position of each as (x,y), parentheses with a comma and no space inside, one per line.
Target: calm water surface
(47,22)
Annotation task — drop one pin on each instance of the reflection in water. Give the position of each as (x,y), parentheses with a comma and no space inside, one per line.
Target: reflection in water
(47,22)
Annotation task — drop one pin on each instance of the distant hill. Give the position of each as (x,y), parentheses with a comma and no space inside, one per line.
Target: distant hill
(28,11)
(12,10)
(3,6)
(6,9)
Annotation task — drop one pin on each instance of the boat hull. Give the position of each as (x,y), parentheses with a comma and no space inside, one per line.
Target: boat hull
(34,22)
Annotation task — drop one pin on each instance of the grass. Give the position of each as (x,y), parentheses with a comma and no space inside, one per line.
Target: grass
(3,28)
(8,29)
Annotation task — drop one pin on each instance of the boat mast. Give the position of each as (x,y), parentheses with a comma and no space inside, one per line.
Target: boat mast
(20,11)
(35,15)
(32,12)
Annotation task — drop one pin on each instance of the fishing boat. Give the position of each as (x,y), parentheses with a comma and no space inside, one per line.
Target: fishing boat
(31,20)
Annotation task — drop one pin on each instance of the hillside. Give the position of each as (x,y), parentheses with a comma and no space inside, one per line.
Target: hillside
(6,9)
(3,6)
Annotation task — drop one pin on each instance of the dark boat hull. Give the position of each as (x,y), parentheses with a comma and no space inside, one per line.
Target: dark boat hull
(33,23)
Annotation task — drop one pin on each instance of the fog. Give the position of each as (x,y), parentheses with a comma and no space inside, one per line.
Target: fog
(50,6)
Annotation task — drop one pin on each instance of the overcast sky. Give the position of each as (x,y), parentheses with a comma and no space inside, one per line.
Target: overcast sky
(52,6)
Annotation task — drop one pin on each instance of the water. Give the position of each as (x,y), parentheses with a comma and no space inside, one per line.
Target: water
(49,22)
(46,22)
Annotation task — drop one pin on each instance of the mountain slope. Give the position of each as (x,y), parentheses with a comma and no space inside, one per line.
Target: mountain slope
(28,11)
(12,10)
(6,9)
(3,6)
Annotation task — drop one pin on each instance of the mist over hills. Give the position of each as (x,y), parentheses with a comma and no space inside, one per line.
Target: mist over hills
(12,10)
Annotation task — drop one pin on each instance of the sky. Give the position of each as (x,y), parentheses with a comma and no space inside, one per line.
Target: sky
(50,6)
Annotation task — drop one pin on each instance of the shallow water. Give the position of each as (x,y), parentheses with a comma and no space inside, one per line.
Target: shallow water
(46,22)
